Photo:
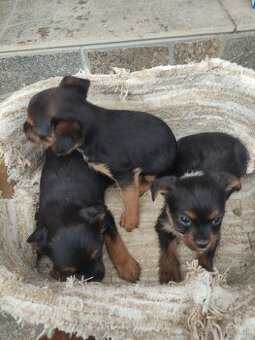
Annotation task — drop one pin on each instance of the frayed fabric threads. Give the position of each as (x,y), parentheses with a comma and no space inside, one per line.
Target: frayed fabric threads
(215,96)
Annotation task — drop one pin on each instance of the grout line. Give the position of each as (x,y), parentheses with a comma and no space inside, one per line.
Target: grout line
(120,45)
(171,54)
(117,44)
(229,16)
(84,59)
(222,47)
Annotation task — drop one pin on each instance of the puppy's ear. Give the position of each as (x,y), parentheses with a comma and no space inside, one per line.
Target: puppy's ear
(39,238)
(228,182)
(78,84)
(93,213)
(67,136)
(162,186)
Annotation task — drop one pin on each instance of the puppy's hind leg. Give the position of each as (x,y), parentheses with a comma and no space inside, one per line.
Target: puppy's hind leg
(129,185)
(145,183)
(127,268)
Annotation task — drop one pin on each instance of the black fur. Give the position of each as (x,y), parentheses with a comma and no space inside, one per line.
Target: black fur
(125,145)
(211,152)
(72,217)
(196,204)
(123,140)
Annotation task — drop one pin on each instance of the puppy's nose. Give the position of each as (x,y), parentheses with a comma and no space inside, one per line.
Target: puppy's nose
(202,244)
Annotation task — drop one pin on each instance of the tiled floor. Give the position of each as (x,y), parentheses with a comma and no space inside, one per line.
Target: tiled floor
(241,13)
(40,23)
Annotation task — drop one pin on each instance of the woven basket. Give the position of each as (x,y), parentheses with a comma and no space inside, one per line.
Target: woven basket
(213,95)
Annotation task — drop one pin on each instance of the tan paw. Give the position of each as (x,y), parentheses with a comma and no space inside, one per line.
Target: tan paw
(128,222)
(130,270)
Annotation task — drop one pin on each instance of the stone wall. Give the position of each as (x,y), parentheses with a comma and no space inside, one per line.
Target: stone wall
(23,68)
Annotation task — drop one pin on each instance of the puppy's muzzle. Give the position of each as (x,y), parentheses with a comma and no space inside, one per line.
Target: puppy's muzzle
(36,135)
(201,244)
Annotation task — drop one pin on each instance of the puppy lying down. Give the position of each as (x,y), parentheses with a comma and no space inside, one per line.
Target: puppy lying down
(73,222)
(131,147)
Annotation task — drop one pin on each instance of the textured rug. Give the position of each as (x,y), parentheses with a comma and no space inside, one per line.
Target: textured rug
(213,95)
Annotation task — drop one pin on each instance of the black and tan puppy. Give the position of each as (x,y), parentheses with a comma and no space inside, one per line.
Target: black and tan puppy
(73,223)
(130,147)
(208,169)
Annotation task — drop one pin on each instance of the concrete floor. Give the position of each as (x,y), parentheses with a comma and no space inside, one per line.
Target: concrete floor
(40,39)
(32,24)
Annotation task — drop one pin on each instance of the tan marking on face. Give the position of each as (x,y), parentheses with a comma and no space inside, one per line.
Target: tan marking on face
(169,227)
(30,121)
(214,240)
(212,214)
(204,260)
(33,138)
(36,139)
(127,267)
(187,239)
(101,167)
(168,224)
(169,265)
(190,214)
(69,127)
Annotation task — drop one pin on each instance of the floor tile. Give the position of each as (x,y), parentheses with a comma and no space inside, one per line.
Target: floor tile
(133,59)
(23,70)
(58,22)
(241,51)
(242,13)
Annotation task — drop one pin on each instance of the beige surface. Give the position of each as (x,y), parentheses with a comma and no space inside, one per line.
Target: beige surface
(213,95)
(40,24)
(242,13)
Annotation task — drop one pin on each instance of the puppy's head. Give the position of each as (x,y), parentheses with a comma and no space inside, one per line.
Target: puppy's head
(76,248)
(196,205)
(67,136)
(50,107)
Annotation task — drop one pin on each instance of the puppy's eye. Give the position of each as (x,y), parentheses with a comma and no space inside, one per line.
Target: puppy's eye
(216,221)
(184,221)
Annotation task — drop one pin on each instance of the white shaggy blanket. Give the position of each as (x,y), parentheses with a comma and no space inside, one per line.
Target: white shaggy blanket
(213,95)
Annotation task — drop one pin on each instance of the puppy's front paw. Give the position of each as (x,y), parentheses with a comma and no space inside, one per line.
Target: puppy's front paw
(169,275)
(130,270)
(128,221)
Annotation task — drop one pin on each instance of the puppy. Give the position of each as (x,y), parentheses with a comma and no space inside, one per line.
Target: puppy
(207,171)
(73,223)
(127,146)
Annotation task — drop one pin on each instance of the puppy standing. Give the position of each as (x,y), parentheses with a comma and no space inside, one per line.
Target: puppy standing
(73,222)
(208,168)
(130,147)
